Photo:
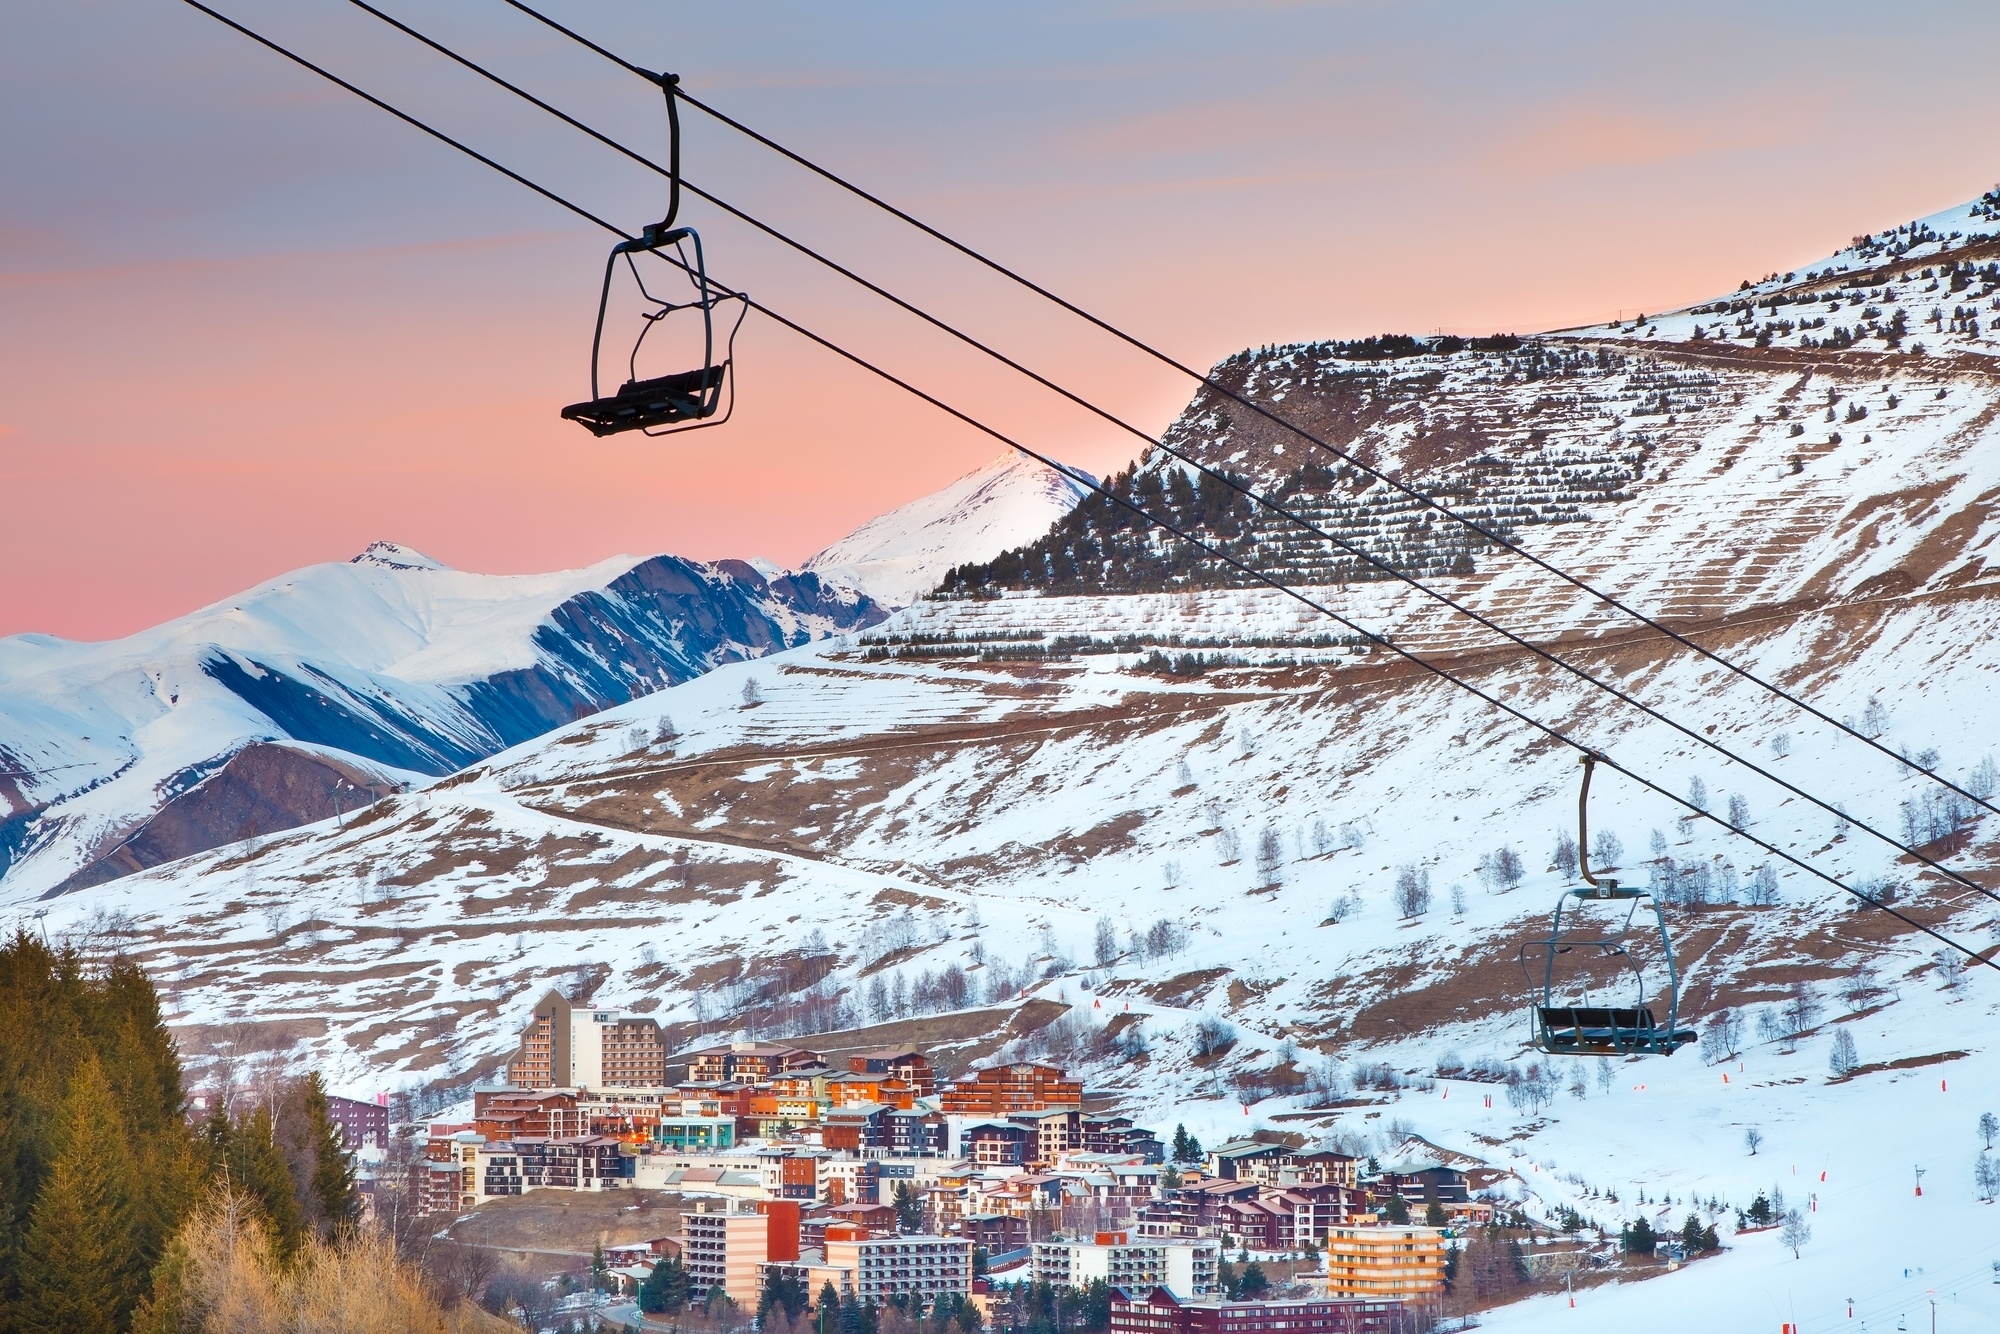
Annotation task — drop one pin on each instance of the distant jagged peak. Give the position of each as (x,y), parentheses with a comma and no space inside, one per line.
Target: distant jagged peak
(396,556)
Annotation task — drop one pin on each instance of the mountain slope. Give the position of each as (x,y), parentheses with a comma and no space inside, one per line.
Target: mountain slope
(387,669)
(899,556)
(1249,801)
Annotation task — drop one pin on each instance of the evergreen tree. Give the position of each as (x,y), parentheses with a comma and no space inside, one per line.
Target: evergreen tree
(827,1312)
(1225,1278)
(1396,1210)
(76,1260)
(1253,1284)
(784,1291)
(1094,1306)
(1183,1150)
(1434,1215)
(258,1168)
(1640,1238)
(332,1194)
(909,1208)
(665,1290)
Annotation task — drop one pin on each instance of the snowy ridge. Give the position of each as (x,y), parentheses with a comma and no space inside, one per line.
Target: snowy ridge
(898,557)
(1940,273)
(396,665)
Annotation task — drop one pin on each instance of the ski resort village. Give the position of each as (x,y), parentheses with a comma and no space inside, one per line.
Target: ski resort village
(1430,831)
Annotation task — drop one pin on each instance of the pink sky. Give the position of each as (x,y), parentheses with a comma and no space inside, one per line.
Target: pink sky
(247,324)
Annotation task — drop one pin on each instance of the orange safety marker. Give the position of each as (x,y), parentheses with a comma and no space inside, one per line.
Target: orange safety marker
(1822,1176)
(1097,1005)
(1940,1086)
(1725,1076)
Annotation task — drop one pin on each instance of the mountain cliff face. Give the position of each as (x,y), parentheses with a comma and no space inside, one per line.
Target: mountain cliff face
(379,673)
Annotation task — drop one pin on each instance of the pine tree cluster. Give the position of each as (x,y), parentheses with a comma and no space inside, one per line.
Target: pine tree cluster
(99,1165)
(1486,462)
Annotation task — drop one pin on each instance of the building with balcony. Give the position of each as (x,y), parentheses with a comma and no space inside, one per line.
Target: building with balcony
(748,1062)
(904,1063)
(1137,1264)
(1161,1311)
(727,1245)
(1401,1263)
(1009,1090)
(570,1046)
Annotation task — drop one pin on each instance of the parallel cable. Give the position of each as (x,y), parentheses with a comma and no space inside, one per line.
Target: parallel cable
(1220,478)
(1111,494)
(1428,502)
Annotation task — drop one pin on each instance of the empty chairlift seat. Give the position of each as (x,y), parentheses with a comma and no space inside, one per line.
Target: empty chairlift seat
(1579,1030)
(642,404)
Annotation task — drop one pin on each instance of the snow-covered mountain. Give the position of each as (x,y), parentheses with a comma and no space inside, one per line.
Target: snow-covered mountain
(1162,804)
(899,556)
(318,690)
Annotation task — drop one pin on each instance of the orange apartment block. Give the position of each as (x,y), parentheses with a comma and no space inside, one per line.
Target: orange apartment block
(853,1088)
(1008,1090)
(905,1063)
(1385,1263)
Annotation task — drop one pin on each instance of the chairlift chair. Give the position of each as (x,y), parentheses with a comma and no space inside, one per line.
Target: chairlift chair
(1593,1030)
(685,400)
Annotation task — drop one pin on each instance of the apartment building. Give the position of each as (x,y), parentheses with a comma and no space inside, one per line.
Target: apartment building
(881,1267)
(1161,1311)
(1421,1184)
(727,1245)
(1009,1090)
(996,1143)
(1136,1264)
(1057,1131)
(570,1046)
(904,1063)
(1401,1263)
(748,1062)
(363,1125)
(1276,1165)
(1119,1135)
(1273,1218)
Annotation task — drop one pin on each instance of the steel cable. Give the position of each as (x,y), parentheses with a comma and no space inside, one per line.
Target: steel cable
(1108,493)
